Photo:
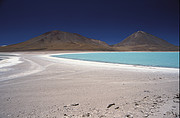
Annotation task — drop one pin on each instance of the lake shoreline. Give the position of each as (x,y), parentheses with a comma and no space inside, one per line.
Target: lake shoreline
(149,59)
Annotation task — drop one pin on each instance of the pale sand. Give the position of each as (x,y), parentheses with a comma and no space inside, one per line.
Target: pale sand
(48,87)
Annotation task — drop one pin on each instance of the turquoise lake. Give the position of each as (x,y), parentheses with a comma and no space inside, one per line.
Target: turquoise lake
(156,59)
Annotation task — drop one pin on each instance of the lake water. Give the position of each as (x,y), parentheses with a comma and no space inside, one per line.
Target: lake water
(157,59)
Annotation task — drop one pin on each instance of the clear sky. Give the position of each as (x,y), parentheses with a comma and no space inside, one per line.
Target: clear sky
(107,20)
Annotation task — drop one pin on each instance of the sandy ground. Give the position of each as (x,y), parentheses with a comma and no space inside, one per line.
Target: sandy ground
(47,87)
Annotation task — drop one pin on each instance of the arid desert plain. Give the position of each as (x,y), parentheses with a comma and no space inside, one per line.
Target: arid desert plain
(35,85)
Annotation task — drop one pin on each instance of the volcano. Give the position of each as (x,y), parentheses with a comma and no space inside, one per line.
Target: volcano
(58,40)
(142,41)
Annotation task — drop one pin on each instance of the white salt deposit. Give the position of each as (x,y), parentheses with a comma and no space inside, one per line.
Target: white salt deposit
(10,61)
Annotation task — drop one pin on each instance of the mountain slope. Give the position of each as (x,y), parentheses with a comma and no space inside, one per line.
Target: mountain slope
(142,41)
(58,40)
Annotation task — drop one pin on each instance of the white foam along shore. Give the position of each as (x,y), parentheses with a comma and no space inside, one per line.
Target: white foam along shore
(104,64)
(10,60)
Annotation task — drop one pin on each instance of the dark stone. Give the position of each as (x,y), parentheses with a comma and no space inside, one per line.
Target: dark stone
(136,104)
(110,105)
(129,116)
(176,96)
(86,115)
(76,104)
(147,91)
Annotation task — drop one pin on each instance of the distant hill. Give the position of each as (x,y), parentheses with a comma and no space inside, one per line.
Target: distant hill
(142,41)
(58,40)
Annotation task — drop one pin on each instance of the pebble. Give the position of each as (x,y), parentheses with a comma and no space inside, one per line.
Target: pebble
(136,104)
(176,96)
(173,106)
(102,116)
(147,91)
(76,104)
(110,105)
(86,115)
(8,99)
(145,97)
(159,97)
(176,101)
(129,116)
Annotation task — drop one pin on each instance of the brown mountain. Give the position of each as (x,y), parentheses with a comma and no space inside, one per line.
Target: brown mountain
(58,40)
(142,41)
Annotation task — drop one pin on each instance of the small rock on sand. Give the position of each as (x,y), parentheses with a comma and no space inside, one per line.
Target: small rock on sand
(86,115)
(76,104)
(129,116)
(110,105)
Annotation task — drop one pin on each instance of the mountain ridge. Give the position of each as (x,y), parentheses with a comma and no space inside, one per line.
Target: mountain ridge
(60,40)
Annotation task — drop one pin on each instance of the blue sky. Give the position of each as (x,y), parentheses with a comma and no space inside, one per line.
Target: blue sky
(107,20)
